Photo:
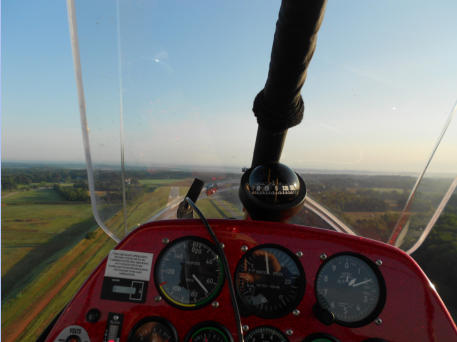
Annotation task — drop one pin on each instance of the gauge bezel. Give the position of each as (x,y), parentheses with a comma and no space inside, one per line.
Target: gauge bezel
(253,331)
(170,245)
(247,310)
(382,289)
(211,324)
(312,337)
(157,319)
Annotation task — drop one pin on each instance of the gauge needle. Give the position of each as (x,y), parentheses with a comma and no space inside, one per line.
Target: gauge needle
(361,283)
(266,262)
(352,282)
(199,283)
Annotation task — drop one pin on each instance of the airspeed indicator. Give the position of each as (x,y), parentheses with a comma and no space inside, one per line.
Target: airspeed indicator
(189,273)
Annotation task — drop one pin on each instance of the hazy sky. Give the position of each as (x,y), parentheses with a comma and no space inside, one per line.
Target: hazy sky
(379,88)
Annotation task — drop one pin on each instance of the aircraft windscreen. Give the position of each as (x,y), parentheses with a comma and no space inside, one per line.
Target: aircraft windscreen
(169,89)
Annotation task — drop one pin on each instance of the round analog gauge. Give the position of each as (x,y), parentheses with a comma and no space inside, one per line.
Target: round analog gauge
(265,334)
(270,281)
(209,331)
(153,329)
(320,338)
(189,273)
(351,287)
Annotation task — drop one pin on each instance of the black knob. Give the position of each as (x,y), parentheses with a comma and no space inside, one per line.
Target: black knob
(323,315)
(93,315)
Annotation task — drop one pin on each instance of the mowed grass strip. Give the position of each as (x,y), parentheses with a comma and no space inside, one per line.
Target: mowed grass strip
(34,262)
(35,235)
(33,224)
(10,256)
(139,211)
(34,196)
(167,181)
(21,319)
(84,257)
(98,252)
(231,209)
(32,217)
(210,209)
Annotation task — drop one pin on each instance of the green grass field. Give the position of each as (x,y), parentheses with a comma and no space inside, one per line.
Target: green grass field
(139,211)
(44,233)
(166,181)
(32,196)
(37,299)
(210,209)
(32,218)
(40,232)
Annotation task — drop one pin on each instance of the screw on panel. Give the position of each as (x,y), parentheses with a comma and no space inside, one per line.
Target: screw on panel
(299,254)
(157,298)
(289,332)
(222,245)
(323,256)
(378,321)
(165,240)
(215,304)
(379,262)
(296,312)
(244,248)
(245,328)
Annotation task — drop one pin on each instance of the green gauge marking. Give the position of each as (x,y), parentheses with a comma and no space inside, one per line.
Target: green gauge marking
(189,273)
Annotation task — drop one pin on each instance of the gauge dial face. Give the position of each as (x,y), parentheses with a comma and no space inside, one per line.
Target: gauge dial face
(209,333)
(265,334)
(189,273)
(270,281)
(352,288)
(153,330)
(320,338)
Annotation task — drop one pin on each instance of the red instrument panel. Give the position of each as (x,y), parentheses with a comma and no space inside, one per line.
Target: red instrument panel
(283,275)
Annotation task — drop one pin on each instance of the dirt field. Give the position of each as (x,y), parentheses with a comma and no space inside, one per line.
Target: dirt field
(17,328)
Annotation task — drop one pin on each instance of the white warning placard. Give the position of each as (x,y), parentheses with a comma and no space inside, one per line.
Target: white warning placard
(129,265)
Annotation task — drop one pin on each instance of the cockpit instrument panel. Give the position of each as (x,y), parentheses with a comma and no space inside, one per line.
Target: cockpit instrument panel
(270,281)
(189,273)
(351,287)
(265,333)
(153,329)
(292,283)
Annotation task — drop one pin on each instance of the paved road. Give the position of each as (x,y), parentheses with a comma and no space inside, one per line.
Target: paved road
(169,212)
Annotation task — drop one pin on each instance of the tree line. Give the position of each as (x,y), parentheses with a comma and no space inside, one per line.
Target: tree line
(12,178)
(438,255)
(72,193)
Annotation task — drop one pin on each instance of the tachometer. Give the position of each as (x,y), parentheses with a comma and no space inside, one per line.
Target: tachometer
(209,331)
(270,281)
(153,329)
(265,334)
(320,338)
(189,273)
(351,287)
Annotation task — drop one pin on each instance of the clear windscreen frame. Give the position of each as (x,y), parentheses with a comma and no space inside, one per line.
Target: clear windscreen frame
(128,190)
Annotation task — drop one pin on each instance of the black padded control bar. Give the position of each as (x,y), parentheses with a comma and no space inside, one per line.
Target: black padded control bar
(279,105)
